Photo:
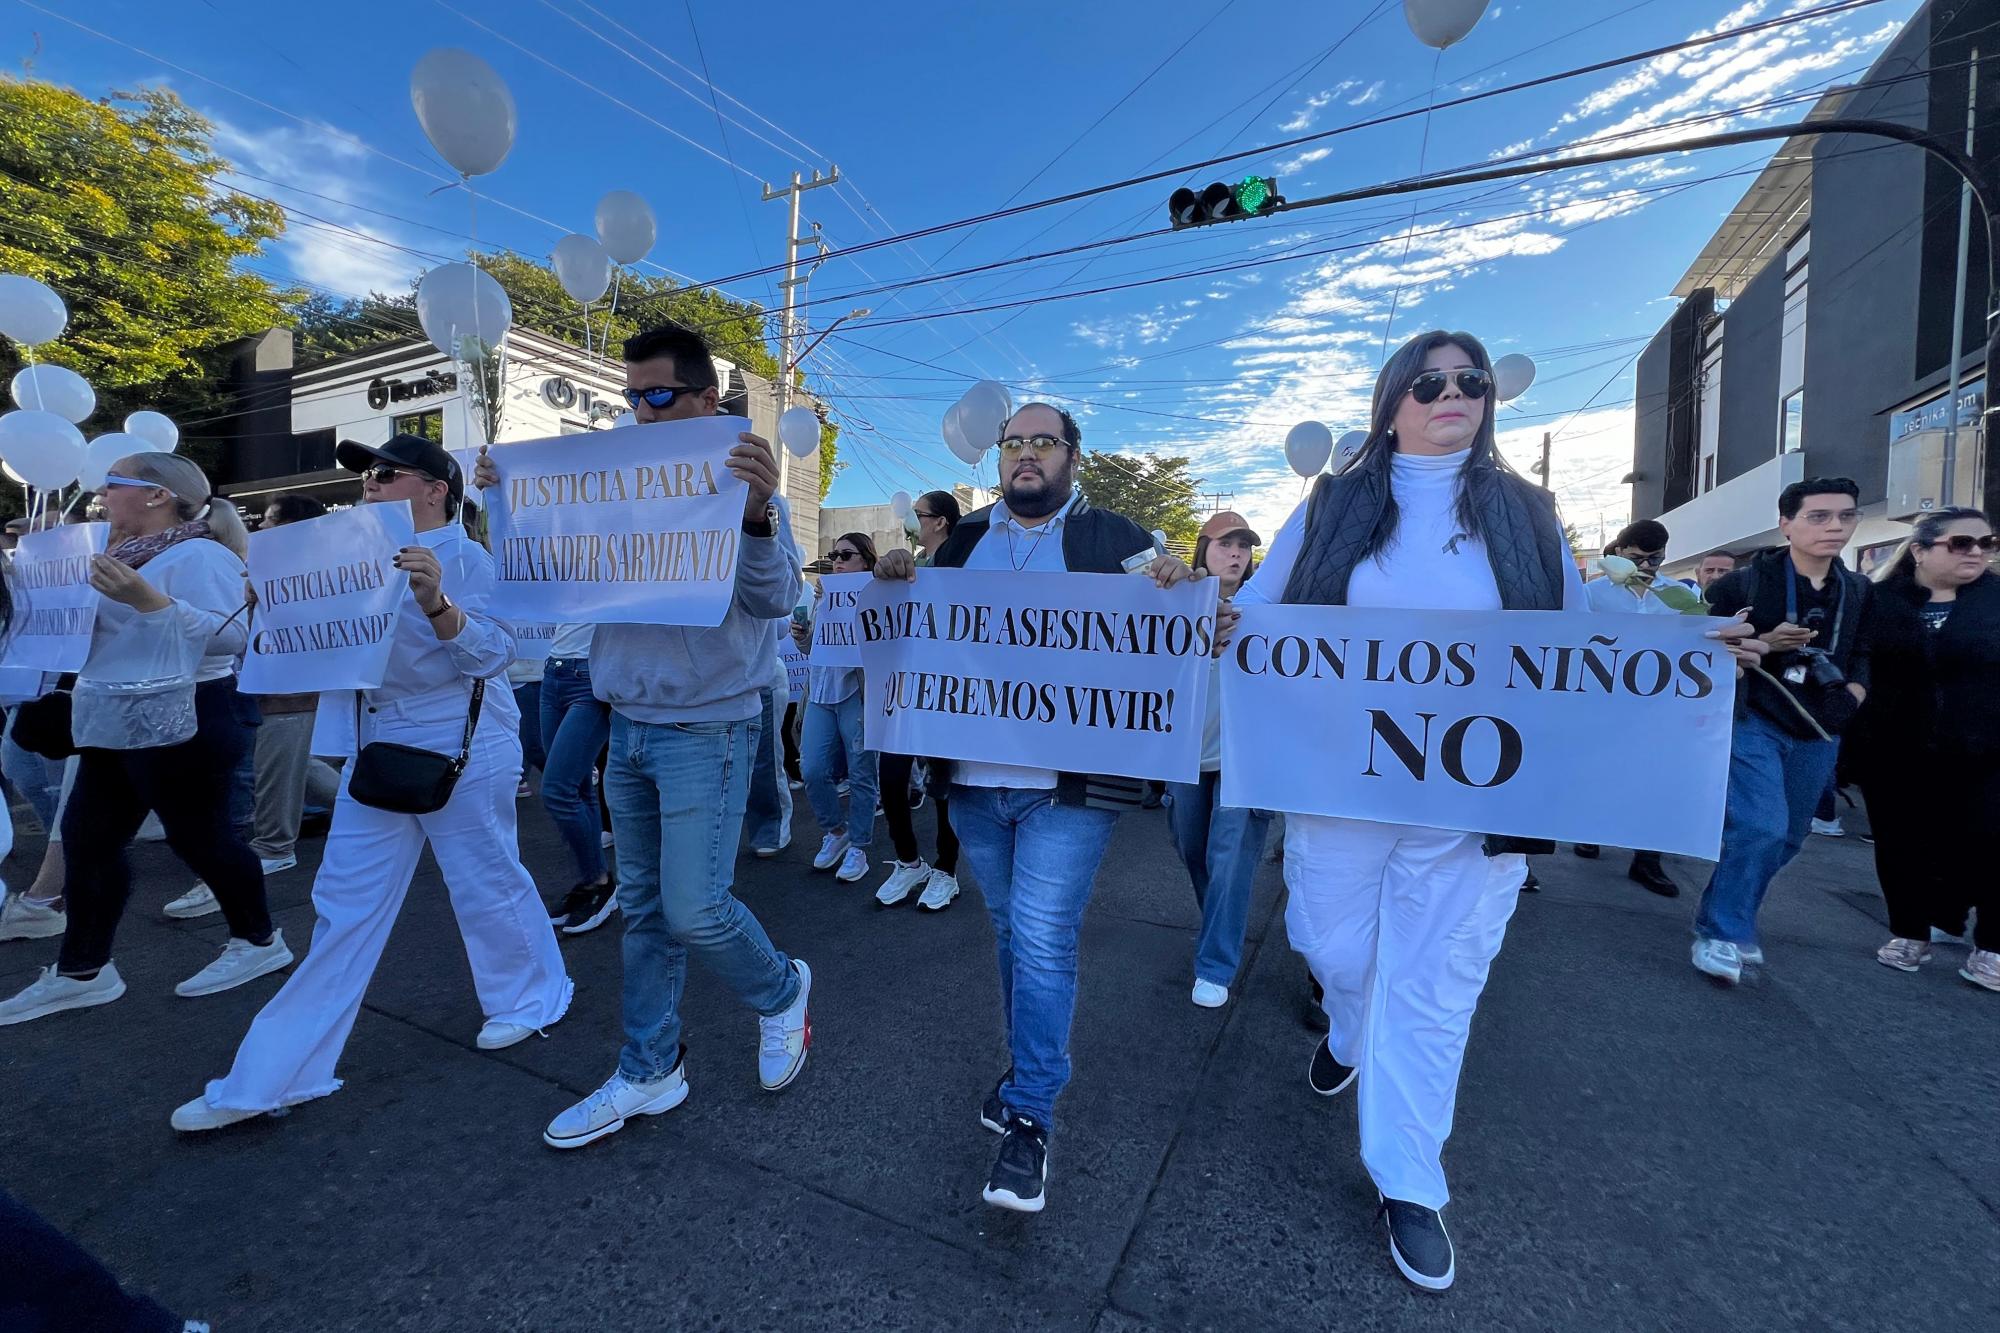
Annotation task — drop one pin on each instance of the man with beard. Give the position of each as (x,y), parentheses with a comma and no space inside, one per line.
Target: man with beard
(1033,836)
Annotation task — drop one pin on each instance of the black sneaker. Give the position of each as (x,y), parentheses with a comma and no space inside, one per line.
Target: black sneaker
(1589,851)
(1021,1171)
(1650,875)
(572,900)
(1531,884)
(594,902)
(1419,1245)
(993,1111)
(1328,1076)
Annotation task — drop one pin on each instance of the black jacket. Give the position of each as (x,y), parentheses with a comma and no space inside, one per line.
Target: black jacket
(1094,541)
(1932,692)
(1760,585)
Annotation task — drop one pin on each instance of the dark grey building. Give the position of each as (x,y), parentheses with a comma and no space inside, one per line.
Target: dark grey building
(1814,330)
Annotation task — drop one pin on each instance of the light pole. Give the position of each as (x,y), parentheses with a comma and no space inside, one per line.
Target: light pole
(859,312)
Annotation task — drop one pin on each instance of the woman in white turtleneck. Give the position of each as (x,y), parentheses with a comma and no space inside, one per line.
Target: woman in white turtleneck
(1399,923)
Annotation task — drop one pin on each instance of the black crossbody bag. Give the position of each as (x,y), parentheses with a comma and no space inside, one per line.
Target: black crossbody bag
(403,778)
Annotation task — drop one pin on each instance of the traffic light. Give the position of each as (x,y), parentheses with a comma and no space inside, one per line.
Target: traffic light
(1252,197)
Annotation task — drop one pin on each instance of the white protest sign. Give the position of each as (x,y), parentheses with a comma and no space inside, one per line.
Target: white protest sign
(1084,673)
(328,594)
(55,608)
(834,643)
(798,668)
(533,639)
(1527,723)
(633,526)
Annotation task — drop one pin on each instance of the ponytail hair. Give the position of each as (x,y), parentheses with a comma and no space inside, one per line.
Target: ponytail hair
(1903,562)
(194,498)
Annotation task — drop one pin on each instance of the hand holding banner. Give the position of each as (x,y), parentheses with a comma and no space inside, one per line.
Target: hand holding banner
(328,594)
(55,608)
(633,526)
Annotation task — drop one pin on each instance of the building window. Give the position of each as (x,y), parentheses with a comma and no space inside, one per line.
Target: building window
(428,425)
(1792,424)
(1708,408)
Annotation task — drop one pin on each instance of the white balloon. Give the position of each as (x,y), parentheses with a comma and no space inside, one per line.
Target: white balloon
(56,389)
(625,225)
(43,449)
(582,267)
(963,449)
(465,109)
(102,452)
(1307,447)
(456,302)
(624,419)
(30,311)
(1512,374)
(798,428)
(1440,23)
(987,407)
(900,504)
(157,431)
(1349,446)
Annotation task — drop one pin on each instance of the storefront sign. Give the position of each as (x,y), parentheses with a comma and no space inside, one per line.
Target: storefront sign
(1936,414)
(565,395)
(382,392)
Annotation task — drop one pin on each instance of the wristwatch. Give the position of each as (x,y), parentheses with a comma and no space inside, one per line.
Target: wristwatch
(769,525)
(444,604)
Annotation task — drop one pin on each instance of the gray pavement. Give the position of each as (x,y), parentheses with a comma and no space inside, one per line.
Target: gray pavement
(1636,1147)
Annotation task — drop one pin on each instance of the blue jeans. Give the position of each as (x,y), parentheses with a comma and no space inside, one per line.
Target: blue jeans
(1221,845)
(528,697)
(676,794)
(833,733)
(1775,781)
(768,808)
(574,727)
(1035,862)
(37,780)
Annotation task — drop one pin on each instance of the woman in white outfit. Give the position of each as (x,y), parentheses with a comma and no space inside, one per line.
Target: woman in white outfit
(1398,922)
(445,645)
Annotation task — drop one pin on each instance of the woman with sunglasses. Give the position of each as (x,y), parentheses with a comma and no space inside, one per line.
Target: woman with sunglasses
(1926,743)
(1399,923)
(832,729)
(159,727)
(937,514)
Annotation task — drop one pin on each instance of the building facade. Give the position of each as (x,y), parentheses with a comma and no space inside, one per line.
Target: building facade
(882,526)
(1813,334)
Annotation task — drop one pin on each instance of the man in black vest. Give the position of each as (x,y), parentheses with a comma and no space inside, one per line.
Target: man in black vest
(1034,837)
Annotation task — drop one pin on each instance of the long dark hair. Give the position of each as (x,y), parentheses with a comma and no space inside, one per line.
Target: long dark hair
(1398,374)
(1201,545)
(945,505)
(1903,564)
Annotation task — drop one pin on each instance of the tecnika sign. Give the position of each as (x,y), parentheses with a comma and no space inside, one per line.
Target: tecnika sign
(382,392)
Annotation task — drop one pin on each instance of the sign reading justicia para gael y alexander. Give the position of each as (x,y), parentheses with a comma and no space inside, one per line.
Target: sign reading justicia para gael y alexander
(328,594)
(637,525)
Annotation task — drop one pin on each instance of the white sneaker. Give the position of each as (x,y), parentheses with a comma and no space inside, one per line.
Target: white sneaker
(51,993)
(277,865)
(1829,827)
(498,1036)
(939,893)
(23,920)
(784,1038)
(1208,995)
(795,784)
(197,1115)
(197,901)
(832,848)
(853,866)
(241,961)
(1719,959)
(606,1110)
(902,882)
(1751,955)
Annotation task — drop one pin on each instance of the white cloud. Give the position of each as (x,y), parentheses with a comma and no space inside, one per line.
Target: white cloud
(1303,160)
(1302,119)
(1144,328)
(1371,94)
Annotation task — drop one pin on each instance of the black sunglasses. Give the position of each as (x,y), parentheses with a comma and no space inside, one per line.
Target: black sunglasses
(383,474)
(843,554)
(1426,387)
(1965,544)
(659,397)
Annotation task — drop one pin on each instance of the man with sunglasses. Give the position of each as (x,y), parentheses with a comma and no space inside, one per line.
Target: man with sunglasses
(685,703)
(1034,836)
(1811,611)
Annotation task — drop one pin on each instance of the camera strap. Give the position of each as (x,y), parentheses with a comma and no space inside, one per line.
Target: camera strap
(1835,576)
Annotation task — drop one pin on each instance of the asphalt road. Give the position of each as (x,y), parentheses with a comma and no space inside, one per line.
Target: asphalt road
(1636,1147)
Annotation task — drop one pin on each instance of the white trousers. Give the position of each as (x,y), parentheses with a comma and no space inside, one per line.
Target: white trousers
(1399,925)
(289,1054)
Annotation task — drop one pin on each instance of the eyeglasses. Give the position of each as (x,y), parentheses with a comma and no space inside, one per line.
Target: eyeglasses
(113,479)
(843,554)
(918,513)
(1016,445)
(384,474)
(1426,387)
(1961,543)
(659,396)
(1819,518)
(1650,559)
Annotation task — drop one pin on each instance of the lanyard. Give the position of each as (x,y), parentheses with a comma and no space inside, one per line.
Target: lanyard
(1839,599)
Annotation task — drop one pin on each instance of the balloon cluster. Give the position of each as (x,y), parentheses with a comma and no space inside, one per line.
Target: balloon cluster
(974,422)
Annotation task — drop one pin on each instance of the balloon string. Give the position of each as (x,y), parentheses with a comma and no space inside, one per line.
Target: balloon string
(604,340)
(35,381)
(1410,225)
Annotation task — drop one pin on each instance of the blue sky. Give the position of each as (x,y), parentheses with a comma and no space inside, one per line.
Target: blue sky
(936,118)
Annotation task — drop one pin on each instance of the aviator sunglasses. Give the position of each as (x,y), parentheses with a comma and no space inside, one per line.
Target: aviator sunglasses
(1426,387)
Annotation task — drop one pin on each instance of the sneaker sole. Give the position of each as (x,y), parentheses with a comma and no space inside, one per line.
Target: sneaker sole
(1980,982)
(1905,967)
(854,878)
(280,869)
(481,1043)
(1424,1280)
(991,1123)
(923,906)
(660,1107)
(597,919)
(263,969)
(39,932)
(1722,978)
(234,1118)
(1337,1088)
(88,1002)
(1013,1202)
(192,913)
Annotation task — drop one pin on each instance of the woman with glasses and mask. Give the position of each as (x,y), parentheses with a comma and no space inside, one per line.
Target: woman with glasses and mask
(159,727)
(1926,743)
(1399,923)
(937,514)
(444,693)
(832,729)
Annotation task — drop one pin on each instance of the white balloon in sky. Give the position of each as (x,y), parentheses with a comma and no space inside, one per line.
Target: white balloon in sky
(1307,447)
(900,504)
(44,450)
(57,389)
(582,267)
(463,310)
(625,225)
(962,448)
(1440,23)
(798,428)
(1512,374)
(465,108)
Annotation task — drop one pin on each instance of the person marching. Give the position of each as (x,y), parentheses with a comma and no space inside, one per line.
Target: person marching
(833,741)
(443,693)
(575,725)
(1399,923)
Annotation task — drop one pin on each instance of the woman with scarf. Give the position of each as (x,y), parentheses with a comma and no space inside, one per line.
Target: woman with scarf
(1399,923)
(159,727)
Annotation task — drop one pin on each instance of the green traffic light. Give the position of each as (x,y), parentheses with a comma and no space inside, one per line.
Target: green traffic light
(1253,193)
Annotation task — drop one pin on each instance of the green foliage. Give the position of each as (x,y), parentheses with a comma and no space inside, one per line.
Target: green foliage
(1153,490)
(829,456)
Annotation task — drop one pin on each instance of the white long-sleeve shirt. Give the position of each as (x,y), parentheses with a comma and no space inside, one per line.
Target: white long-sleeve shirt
(205,581)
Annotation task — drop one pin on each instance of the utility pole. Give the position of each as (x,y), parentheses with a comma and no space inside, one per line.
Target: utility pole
(788,322)
(1948,486)
(1214,502)
(1547,438)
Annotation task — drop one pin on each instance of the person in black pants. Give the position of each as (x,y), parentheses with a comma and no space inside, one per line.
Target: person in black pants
(159,727)
(1926,744)
(49,1282)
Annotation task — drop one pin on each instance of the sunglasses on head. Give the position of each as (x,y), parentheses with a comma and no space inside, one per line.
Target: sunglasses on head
(384,474)
(1426,387)
(1965,544)
(658,397)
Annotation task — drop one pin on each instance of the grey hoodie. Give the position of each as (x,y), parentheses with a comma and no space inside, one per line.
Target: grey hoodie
(685,673)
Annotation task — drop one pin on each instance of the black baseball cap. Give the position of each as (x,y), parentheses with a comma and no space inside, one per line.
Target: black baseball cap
(410,451)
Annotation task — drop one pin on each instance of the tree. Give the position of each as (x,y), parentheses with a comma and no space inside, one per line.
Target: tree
(1152,490)
(829,456)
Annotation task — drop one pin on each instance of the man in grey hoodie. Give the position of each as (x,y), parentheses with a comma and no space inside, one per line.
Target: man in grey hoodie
(685,714)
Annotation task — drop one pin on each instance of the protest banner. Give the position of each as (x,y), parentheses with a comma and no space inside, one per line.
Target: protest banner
(1529,723)
(532,639)
(834,642)
(55,608)
(328,594)
(633,526)
(1083,673)
(797,666)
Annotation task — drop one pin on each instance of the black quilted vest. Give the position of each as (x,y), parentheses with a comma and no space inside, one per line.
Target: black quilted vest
(1523,537)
